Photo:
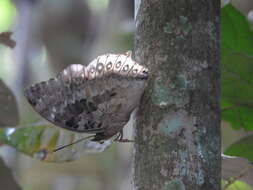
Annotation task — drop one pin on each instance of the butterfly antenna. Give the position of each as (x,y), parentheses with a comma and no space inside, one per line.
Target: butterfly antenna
(75,142)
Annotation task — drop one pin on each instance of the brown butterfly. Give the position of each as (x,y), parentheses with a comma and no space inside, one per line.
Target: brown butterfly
(96,99)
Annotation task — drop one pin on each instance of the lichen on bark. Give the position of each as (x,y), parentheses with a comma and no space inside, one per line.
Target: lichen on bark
(177,143)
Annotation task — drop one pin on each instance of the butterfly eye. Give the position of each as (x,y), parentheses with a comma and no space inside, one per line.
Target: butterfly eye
(118,64)
(126,67)
(109,66)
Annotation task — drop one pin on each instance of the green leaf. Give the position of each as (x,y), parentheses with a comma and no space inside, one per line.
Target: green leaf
(242,148)
(236,33)
(237,185)
(7,14)
(237,69)
(40,141)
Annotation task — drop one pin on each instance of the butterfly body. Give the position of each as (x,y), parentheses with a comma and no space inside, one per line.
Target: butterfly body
(97,99)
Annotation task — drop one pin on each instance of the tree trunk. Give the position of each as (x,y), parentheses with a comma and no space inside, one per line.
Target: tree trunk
(177,144)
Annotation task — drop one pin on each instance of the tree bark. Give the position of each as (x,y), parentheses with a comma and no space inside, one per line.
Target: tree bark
(177,143)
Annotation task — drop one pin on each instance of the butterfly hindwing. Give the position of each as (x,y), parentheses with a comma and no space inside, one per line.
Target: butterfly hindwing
(97,99)
(64,102)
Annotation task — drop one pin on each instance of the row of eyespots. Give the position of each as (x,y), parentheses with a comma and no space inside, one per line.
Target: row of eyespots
(100,67)
(125,68)
(109,66)
(119,63)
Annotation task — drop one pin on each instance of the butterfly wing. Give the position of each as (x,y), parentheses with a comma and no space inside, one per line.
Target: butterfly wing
(65,102)
(98,98)
(125,81)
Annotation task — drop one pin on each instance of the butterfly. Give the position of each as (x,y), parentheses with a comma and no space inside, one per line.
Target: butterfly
(97,99)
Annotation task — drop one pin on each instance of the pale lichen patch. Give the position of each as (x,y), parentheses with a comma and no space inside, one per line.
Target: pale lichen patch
(182,82)
(194,65)
(164,172)
(161,95)
(175,184)
(168,28)
(167,92)
(183,19)
(172,123)
(180,27)
(169,126)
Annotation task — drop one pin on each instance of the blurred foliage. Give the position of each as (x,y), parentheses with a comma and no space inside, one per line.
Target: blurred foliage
(237,69)
(123,38)
(105,171)
(7,14)
(39,140)
(237,88)
(234,169)
(242,148)
(98,4)
(237,185)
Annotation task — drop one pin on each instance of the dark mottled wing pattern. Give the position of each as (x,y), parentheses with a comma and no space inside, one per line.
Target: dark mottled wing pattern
(64,102)
(98,98)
